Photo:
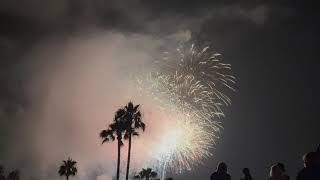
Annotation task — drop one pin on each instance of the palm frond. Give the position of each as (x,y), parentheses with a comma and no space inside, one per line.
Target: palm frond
(135,134)
(119,114)
(103,134)
(107,135)
(136,108)
(130,106)
(143,125)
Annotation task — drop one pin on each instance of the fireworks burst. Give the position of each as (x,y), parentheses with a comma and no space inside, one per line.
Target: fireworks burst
(188,85)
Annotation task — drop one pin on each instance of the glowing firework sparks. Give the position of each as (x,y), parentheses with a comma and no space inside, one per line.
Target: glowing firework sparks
(188,85)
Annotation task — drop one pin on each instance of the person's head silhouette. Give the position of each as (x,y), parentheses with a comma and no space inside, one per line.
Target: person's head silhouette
(246,171)
(281,166)
(275,171)
(222,168)
(310,159)
(318,156)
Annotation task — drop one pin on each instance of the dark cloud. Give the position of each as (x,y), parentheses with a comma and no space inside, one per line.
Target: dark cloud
(28,21)
(128,16)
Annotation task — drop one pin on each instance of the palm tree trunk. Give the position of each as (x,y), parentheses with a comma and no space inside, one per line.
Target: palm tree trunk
(129,155)
(118,164)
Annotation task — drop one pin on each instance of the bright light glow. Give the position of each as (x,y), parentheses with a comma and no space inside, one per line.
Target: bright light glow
(188,86)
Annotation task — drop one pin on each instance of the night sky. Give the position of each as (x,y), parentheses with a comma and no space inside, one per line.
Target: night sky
(272,46)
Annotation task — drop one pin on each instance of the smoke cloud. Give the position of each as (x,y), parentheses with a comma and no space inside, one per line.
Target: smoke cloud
(74,86)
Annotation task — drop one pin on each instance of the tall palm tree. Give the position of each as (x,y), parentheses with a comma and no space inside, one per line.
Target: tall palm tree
(68,168)
(14,175)
(115,130)
(147,174)
(133,120)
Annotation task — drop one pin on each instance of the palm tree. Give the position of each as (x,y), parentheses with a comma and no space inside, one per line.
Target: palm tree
(147,174)
(115,130)
(68,168)
(14,175)
(133,122)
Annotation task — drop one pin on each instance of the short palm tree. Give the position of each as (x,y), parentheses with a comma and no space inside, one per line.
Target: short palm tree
(115,130)
(68,168)
(14,175)
(147,174)
(133,120)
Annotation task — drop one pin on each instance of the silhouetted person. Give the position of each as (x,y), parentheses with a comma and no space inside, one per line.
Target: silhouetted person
(311,170)
(2,173)
(283,169)
(221,173)
(14,175)
(246,174)
(275,173)
(318,155)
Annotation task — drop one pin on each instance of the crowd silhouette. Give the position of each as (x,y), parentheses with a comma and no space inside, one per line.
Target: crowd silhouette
(310,171)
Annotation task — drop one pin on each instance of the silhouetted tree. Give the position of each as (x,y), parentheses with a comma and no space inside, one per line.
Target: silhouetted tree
(115,130)
(147,174)
(68,168)
(13,175)
(133,121)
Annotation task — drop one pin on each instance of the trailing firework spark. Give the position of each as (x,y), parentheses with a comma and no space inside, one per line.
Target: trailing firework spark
(188,85)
